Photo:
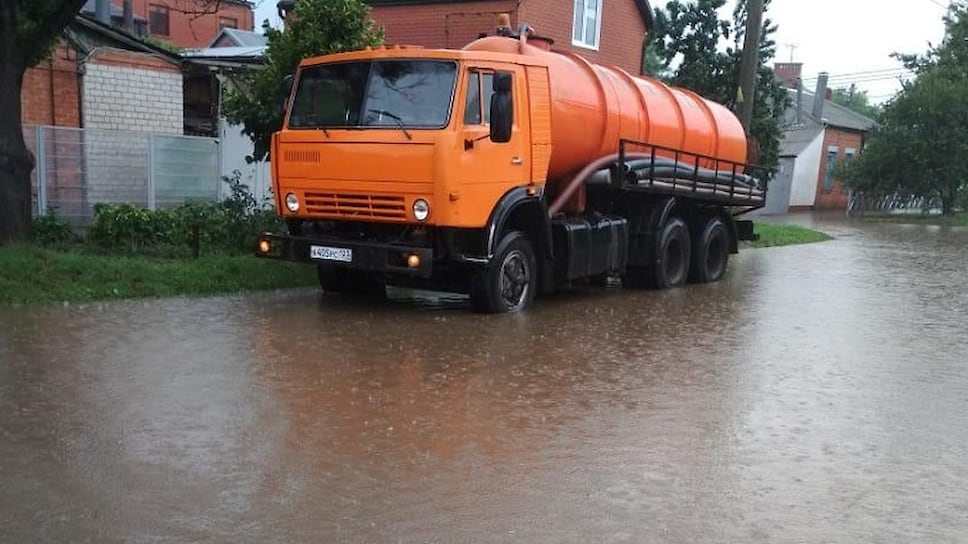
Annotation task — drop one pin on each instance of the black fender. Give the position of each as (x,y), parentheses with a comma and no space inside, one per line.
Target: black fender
(520,204)
(661,211)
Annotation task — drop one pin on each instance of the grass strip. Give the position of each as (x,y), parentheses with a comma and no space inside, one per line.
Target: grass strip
(30,274)
(776,234)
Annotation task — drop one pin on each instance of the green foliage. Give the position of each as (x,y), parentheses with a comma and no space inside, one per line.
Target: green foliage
(229,226)
(920,147)
(52,230)
(856,100)
(316,27)
(687,40)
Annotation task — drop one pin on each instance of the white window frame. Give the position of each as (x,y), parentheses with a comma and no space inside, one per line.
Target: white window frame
(583,5)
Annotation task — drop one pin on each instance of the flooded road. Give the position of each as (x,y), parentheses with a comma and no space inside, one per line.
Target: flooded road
(819,394)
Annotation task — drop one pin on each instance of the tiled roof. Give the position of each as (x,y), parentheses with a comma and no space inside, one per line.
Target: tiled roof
(834,114)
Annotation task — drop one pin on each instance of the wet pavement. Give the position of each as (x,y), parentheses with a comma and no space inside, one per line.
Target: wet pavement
(819,394)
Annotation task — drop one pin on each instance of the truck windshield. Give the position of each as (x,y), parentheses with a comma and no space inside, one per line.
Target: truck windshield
(386,93)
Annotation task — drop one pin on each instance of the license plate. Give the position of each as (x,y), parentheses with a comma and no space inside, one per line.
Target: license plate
(327,253)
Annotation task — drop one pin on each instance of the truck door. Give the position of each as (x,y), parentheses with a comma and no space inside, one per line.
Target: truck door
(496,167)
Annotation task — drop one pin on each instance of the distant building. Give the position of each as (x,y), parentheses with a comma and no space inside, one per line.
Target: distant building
(184,23)
(818,135)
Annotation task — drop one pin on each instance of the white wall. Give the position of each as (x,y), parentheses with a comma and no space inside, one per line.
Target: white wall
(803,188)
(137,99)
(235,147)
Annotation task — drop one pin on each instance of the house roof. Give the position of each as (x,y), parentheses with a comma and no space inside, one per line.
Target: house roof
(834,114)
(116,11)
(233,37)
(645,9)
(87,33)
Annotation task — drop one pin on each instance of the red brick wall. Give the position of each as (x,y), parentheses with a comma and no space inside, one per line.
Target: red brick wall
(189,25)
(453,25)
(843,139)
(441,25)
(50,93)
(622,30)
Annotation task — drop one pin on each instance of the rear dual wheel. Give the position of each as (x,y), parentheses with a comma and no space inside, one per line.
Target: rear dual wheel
(670,268)
(710,252)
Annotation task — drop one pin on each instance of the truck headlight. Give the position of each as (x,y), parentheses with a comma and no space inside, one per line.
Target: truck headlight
(421,209)
(292,202)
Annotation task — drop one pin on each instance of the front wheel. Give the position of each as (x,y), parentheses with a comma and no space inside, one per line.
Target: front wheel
(509,283)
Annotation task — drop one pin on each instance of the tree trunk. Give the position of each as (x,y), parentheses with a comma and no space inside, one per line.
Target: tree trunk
(16,161)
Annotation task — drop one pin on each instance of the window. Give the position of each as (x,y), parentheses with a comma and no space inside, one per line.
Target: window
(227,22)
(158,22)
(828,179)
(390,94)
(588,23)
(476,110)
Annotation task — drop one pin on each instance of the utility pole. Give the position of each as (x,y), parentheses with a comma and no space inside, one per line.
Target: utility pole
(749,63)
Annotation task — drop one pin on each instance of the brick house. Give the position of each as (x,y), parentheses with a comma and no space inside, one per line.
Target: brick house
(185,23)
(97,77)
(818,135)
(610,32)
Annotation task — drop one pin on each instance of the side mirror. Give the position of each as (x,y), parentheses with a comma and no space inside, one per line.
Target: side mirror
(502,108)
(285,88)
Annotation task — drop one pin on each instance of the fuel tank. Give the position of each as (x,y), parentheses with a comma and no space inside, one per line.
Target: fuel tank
(593,106)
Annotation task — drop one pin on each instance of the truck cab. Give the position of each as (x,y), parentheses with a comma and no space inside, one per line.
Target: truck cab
(389,166)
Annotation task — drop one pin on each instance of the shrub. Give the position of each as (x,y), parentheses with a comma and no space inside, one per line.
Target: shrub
(229,226)
(52,230)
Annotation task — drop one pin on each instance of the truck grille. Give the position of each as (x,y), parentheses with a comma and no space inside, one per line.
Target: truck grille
(356,206)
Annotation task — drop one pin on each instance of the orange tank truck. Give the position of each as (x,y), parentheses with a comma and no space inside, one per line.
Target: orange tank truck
(501,170)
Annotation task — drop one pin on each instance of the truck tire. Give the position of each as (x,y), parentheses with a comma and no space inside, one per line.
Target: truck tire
(672,251)
(671,265)
(333,279)
(509,283)
(710,252)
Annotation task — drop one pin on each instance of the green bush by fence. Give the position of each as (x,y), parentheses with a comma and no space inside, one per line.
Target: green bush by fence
(230,226)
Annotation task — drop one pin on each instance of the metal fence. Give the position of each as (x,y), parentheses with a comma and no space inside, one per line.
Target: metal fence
(861,203)
(78,168)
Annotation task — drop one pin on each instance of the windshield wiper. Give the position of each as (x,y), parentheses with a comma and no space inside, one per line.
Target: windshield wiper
(395,118)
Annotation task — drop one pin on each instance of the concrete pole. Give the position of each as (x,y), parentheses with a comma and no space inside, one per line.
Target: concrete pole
(749,62)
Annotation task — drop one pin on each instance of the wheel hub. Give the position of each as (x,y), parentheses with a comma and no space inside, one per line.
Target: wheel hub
(515,278)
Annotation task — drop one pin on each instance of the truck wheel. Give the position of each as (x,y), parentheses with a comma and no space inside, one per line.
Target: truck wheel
(672,255)
(510,281)
(671,266)
(710,252)
(350,282)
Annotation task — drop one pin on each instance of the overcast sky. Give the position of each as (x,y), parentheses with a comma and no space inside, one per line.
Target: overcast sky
(850,39)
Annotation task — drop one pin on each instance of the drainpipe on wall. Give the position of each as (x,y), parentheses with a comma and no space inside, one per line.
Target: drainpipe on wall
(129,16)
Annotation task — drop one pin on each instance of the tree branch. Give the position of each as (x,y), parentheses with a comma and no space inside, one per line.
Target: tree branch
(46,19)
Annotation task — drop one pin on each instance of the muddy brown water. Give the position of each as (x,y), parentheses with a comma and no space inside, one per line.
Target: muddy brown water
(819,394)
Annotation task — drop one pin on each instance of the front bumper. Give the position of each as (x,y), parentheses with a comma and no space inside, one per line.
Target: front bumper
(366,256)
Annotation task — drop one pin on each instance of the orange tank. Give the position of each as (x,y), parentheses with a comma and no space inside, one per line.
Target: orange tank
(594,106)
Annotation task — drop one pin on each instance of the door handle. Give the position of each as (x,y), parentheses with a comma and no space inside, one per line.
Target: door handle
(517,161)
